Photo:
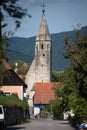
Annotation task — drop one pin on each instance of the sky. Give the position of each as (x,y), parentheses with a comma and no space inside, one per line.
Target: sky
(61,15)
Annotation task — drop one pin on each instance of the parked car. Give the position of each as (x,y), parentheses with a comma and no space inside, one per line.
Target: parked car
(2,117)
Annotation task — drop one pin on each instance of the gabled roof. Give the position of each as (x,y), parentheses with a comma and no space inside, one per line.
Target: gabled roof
(44,92)
(11,78)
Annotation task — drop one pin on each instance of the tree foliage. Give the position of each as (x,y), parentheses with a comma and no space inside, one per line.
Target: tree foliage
(75,82)
(20,67)
(56,107)
(12,9)
(9,8)
(74,78)
(78,56)
(57,76)
(3,55)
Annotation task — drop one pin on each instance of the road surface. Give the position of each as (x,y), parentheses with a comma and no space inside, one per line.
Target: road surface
(42,124)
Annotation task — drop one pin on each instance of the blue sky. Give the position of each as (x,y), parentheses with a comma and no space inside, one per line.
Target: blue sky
(61,15)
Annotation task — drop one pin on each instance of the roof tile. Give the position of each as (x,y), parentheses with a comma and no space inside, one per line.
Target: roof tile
(44,92)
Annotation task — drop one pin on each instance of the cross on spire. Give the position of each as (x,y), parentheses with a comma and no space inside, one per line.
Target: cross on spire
(43,6)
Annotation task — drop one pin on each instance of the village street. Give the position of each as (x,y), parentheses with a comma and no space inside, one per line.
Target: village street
(42,124)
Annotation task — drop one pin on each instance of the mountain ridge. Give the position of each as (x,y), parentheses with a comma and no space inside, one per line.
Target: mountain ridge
(24,49)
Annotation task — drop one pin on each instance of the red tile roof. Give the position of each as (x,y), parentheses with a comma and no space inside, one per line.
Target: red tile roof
(44,92)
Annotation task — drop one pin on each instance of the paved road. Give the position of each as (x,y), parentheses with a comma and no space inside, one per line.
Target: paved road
(42,124)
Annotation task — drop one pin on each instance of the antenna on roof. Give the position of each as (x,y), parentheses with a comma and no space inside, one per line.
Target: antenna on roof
(43,6)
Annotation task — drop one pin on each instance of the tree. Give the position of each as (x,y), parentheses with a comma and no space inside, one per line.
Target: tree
(20,67)
(13,10)
(57,76)
(78,56)
(3,55)
(75,84)
(74,78)
(56,107)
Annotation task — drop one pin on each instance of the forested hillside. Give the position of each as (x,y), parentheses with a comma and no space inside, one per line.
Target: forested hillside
(23,48)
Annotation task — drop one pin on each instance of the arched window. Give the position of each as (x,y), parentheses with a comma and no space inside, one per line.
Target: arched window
(41,46)
(37,47)
(47,46)
(43,54)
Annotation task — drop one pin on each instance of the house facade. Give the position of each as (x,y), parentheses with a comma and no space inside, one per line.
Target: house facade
(12,83)
(44,93)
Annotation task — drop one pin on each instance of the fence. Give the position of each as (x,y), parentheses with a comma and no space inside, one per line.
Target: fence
(15,115)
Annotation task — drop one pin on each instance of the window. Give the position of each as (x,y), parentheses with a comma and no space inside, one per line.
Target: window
(47,46)
(43,54)
(41,46)
(0,110)
(7,93)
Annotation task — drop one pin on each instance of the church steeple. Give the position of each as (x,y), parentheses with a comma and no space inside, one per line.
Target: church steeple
(43,52)
(40,69)
(43,33)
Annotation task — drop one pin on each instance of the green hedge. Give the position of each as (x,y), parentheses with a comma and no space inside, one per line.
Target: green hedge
(12,101)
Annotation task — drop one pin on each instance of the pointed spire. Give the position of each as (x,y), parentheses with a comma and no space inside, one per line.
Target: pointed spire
(43,29)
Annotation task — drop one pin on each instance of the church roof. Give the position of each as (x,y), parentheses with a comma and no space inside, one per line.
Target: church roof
(43,33)
(44,92)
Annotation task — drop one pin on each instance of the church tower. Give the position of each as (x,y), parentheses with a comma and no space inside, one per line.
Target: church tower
(43,52)
(40,69)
